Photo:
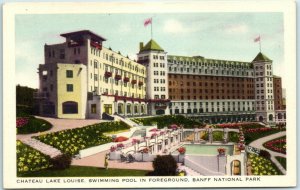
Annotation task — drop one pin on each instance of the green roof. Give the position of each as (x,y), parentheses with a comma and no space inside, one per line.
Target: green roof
(261,57)
(151,45)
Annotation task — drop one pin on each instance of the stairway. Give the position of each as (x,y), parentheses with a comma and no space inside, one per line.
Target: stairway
(126,120)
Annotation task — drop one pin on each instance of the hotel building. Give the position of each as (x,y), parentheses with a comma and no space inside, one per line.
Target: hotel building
(83,79)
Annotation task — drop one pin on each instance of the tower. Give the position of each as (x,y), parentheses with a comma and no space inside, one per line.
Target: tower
(264,94)
(155,59)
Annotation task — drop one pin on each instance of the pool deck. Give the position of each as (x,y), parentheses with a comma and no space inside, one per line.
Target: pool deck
(97,160)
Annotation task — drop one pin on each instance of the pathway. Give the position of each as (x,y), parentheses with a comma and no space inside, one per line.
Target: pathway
(58,125)
(259,144)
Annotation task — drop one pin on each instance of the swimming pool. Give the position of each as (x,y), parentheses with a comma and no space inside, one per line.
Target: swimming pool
(207,149)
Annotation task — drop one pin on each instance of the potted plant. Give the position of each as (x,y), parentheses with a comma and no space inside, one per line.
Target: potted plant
(221,151)
(113,149)
(181,150)
(120,146)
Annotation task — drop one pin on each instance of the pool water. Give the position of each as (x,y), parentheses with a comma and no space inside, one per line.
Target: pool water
(207,149)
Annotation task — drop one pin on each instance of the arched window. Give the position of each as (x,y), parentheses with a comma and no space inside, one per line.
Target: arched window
(70,107)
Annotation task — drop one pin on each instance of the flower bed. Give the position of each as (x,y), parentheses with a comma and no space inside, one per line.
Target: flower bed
(29,159)
(72,140)
(253,134)
(27,125)
(262,166)
(237,125)
(167,120)
(277,145)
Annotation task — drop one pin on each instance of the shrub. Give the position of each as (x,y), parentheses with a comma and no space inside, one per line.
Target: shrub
(167,120)
(265,154)
(164,166)
(61,162)
(31,125)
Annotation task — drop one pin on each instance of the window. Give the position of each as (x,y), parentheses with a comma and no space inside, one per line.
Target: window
(69,73)
(70,107)
(93,108)
(69,87)
(95,64)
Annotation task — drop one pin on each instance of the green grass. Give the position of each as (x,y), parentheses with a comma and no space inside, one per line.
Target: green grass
(167,120)
(281,160)
(84,171)
(250,137)
(34,125)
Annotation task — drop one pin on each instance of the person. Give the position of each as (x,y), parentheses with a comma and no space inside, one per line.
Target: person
(106,161)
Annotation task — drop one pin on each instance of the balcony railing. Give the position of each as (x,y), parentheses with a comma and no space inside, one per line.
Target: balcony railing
(40,95)
(96,45)
(107,74)
(141,83)
(126,79)
(74,44)
(143,61)
(118,77)
(158,100)
(133,82)
(160,107)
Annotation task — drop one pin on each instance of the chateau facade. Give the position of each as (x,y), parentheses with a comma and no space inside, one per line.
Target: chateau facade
(82,79)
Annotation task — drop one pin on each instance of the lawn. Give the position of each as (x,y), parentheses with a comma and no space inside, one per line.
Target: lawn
(281,160)
(71,141)
(28,125)
(167,120)
(84,171)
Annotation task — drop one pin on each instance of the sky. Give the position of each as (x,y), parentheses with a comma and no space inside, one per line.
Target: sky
(228,36)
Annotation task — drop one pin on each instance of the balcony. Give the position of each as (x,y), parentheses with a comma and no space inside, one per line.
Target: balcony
(143,61)
(74,44)
(118,77)
(126,79)
(158,100)
(96,45)
(160,107)
(133,82)
(141,83)
(107,74)
(41,95)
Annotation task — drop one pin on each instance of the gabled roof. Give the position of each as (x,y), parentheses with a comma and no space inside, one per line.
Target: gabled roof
(151,45)
(261,57)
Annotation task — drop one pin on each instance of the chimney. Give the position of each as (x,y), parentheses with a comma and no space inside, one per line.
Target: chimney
(141,45)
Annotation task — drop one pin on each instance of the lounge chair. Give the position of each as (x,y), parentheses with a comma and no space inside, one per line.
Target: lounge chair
(130,158)
(123,158)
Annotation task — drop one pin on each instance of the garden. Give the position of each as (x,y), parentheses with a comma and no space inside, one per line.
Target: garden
(252,131)
(262,166)
(30,160)
(28,125)
(167,120)
(277,145)
(72,140)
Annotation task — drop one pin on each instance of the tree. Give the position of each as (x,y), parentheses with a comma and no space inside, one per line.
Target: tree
(164,165)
